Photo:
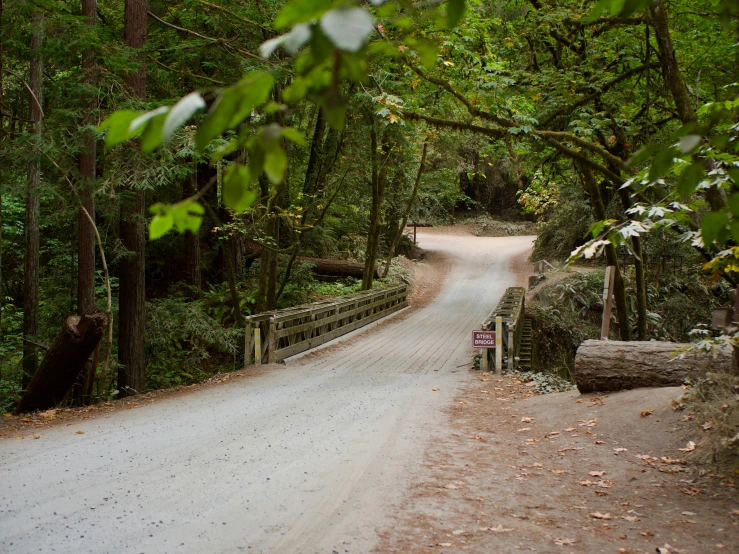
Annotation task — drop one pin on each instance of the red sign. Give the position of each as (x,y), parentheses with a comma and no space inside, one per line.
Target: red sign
(483,339)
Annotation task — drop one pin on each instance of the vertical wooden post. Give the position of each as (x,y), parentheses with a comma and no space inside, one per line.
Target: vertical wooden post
(272,341)
(247,342)
(511,346)
(484,359)
(414,234)
(257,345)
(498,345)
(607,302)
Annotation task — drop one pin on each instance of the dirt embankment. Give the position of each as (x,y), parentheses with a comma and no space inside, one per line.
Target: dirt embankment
(564,473)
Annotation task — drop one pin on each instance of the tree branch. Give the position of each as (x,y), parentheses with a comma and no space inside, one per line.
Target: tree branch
(602,89)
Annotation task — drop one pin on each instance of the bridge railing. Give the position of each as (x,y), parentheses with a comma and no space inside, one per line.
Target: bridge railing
(287,332)
(512,310)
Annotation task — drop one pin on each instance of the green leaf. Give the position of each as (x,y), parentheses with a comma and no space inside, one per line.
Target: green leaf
(188,216)
(117,125)
(661,163)
(643,154)
(233,106)
(301,11)
(237,192)
(275,163)
(713,223)
(162,222)
(689,179)
(151,138)
(427,54)
(599,8)
(293,135)
(734,228)
(138,124)
(181,112)
(335,113)
(348,28)
(689,143)
(733,203)
(454,12)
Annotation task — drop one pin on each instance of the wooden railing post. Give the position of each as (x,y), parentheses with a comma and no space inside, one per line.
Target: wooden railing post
(247,342)
(272,341)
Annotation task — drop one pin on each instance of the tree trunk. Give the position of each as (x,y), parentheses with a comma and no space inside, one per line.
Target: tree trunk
(192,245)
(131,325)
(379,181)
(33,183)
(673,77)
(602,366)
(67,356)
(2,180)
(407,212)
(619,291)
(676,84)
(86,233)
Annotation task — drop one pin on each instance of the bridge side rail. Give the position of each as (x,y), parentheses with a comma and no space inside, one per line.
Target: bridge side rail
(511,310)
(287,332)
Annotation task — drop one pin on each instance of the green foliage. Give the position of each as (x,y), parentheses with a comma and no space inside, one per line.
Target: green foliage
(185,344)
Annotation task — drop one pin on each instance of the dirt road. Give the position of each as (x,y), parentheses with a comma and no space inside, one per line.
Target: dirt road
(300,458)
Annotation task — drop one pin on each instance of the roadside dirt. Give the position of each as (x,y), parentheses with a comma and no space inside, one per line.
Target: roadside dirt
(515,471)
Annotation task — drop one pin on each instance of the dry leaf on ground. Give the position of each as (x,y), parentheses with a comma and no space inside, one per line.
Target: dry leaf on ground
(646,413)
(598,515)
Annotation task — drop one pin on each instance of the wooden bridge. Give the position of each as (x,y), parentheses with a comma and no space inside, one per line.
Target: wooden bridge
(272,337)
(512,331)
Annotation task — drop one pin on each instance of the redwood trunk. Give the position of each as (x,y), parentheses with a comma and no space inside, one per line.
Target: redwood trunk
(602,366)
(192,247)
(131,332)
(63,362)
(86,233)
(33,207)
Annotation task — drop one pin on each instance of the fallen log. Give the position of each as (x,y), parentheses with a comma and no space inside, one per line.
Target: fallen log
(321,266)
(337,268)
(63,362)
(602,366)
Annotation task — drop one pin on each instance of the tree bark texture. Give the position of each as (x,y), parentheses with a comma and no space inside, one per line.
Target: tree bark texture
(192,245)
(676,83)
(602,366)
(673,77)
(407,212)
(131,323)
(619,290)
(86,233)
(33,207)
(67,356)
(379,182)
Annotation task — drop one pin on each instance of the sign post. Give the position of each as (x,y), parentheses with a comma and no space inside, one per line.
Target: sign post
(499,345)
(484,340)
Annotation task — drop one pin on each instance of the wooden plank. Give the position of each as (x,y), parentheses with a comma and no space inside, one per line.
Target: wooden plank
(317,341)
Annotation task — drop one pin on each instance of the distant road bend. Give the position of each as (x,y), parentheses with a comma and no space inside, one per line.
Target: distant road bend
(309,457)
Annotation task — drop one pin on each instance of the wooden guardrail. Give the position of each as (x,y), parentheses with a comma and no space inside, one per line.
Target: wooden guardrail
(511,310)
(287,332)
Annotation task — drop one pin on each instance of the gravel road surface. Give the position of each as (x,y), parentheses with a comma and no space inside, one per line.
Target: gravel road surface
(303,458)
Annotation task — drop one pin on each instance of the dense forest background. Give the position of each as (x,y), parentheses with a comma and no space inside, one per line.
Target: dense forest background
(613,129)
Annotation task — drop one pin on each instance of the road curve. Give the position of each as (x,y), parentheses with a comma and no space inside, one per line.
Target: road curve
(302,458)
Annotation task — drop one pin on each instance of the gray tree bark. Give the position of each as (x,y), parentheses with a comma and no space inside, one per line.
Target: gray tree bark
(33,207)
(602,366)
